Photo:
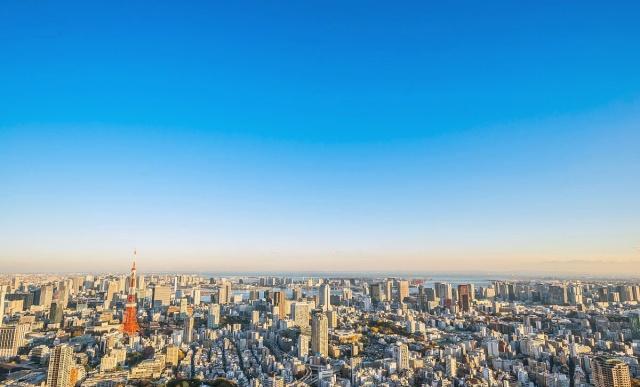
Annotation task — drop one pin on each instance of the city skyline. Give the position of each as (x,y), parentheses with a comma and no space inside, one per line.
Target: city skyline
(342,138)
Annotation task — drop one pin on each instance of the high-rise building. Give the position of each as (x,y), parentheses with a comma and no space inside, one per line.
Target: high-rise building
(444,292)
(403,290)
(300,314)
(12,338)
(402,356)
(3,294)
(610,372)
(161,296)
(172,353)
(60,364)
(320,334)
(45,296)
(224,293)
(213,316)
(56,313)
(375,291)
(188,330)
(280,302)
(634,322)
(464,297)
(196,296)
(113,288)
(303,345)
(324,296)
(558,294)
(388,290)
(451,366)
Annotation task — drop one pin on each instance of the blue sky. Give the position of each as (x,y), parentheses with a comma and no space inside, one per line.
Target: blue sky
(320,135)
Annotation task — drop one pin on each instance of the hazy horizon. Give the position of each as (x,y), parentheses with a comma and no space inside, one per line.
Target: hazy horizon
(222,137)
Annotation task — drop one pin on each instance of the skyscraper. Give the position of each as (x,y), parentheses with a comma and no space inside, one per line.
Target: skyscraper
(320,334)
(224,293)
(213,316)
(388,290)
(610,372)
(403,290)
(402,356)
(324,296)
(161,296)
(3,293)
(300,314)
(464,297)
(280,302)
(303,345)
(188,330)
(60,364)
(376,292)
(196,296)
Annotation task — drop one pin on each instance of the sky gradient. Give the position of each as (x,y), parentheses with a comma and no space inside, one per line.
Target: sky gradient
(329,136)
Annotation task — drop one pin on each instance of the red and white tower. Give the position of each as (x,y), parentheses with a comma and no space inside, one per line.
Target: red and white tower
(130,320)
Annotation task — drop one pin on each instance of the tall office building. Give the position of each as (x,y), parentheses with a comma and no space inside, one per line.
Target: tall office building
(403,290)
(402,356)
(213,316)
(558,294)
(444,292)
(3,293)
(610,372)
(280,302)
(320,334)
(300,314)
(112,289)
(45,296)
(196,296)
(60,364)
(388,290)
(161,296)
(464,297)
(56,313)
(188,330)
(375,291)
(324,296)
(303,345)
(224,293)
(575,294)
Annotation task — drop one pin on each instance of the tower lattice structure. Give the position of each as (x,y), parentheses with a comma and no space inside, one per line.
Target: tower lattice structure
(130,320)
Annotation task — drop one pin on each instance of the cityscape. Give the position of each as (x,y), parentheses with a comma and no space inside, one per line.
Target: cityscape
(140,329)
(319,193)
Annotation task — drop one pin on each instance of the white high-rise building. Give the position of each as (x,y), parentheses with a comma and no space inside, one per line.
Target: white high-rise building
(196,296)
(213,317)
(303,346)
(60,364)
(3,292)
(320,335)
(451,366)
(324,297)
(402,356)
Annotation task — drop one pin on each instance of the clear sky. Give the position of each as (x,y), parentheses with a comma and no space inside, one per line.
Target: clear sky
(333,135)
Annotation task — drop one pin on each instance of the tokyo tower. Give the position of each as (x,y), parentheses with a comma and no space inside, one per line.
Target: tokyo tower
(130,320)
